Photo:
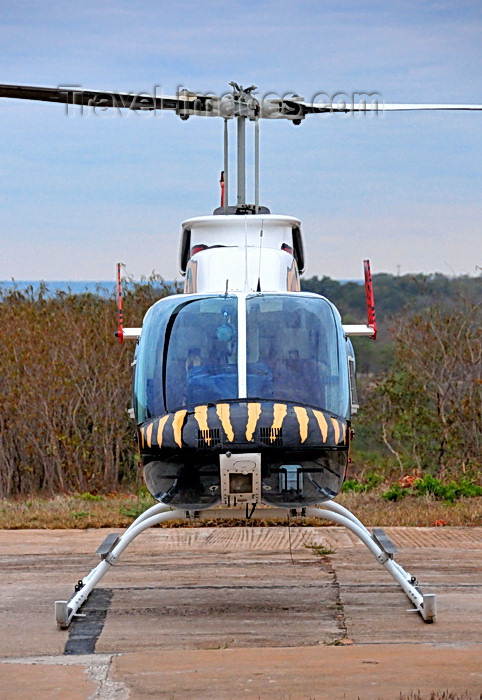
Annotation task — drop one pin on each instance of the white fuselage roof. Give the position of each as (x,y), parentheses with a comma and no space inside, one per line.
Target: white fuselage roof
(241,253)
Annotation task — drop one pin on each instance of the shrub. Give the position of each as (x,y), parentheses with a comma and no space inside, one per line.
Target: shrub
(371,482)
(431,486)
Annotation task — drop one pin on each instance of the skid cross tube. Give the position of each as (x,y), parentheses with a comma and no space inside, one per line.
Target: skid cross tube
(425,604)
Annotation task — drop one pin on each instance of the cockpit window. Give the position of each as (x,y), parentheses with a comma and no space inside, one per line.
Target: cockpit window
(188,355)
(202,353)
(295,352)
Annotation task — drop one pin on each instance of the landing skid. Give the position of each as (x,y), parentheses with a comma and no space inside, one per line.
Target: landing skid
(113,546)
(383,550)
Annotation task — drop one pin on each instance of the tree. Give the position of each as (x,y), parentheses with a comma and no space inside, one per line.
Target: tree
(428,406)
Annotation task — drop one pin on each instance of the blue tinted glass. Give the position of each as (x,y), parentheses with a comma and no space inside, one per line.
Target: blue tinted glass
(187,355)
(295,352)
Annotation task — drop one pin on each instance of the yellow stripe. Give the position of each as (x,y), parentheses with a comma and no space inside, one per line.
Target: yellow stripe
(254,412)
(279,412)
(303,420)
(336,428)
(222,409)
(322,423)
(201,415)
(143,437)
(160,429)
(343,427)
(149,434)
(177,423)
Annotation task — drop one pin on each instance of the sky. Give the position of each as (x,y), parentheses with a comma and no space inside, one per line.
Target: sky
(79,193)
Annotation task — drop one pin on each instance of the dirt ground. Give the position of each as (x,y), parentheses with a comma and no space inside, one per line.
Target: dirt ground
(257,613)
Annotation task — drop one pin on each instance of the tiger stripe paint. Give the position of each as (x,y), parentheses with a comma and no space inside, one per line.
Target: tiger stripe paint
(323,425)
(177,423)
(160,429)
(244,422)
(149,434)
(279,412)
(201,416)
(303,420)
(254,412)
(223,412)
(336,428)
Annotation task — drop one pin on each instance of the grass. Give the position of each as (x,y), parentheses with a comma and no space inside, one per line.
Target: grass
(320,550)
(420,511)
(82,511)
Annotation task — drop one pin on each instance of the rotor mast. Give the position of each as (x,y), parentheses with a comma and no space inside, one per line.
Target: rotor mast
(245,106)
(241,198)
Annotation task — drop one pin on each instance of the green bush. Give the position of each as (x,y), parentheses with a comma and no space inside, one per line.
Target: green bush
(371,482)
(352,485)
(395,493)
(426,407)
(431,486)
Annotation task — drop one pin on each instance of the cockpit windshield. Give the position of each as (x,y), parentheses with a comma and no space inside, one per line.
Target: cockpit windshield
(189,355)
(294,343)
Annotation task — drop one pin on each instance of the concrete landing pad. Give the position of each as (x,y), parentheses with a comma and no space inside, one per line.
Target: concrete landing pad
(240,612)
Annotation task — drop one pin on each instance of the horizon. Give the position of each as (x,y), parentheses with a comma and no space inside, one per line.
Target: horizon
(145,278)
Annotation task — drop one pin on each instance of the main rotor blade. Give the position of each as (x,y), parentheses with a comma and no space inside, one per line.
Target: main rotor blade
(188,103)
(296,109)
(76,95)
(374,106)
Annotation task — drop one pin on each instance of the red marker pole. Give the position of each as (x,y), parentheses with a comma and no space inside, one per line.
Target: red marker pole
(221,182)
(120,331)
(370,299)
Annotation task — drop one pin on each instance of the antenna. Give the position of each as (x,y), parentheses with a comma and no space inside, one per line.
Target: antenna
(258,288)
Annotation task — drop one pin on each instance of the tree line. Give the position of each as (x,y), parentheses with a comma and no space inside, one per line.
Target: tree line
(65,388)
(65,380)
(393,295)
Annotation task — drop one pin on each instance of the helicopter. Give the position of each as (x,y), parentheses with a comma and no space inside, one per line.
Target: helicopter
(244,386)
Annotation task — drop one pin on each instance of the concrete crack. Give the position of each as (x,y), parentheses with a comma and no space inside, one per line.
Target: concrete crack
(339,607)
(98,669)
